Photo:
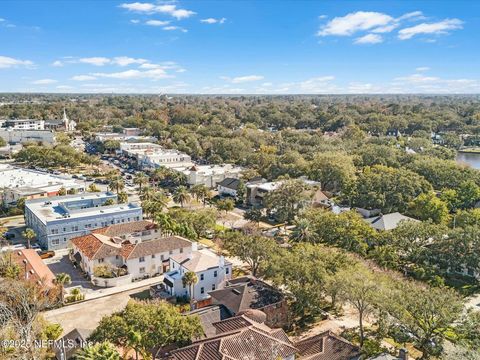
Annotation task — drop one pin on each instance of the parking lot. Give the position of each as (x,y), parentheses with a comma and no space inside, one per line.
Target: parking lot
(60,263)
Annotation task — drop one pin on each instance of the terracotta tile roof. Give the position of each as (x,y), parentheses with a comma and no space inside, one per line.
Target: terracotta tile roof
(36,270)
(156,246)
(125,228)
(254,341)
(98,246)
(246,293)
(326,346)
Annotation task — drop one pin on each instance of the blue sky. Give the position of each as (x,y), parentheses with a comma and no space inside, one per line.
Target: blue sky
(240,47)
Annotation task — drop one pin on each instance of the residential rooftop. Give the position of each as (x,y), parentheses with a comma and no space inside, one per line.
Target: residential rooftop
(33,268)
(198,260)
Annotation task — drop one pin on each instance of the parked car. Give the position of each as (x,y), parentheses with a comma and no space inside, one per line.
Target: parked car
(35,246)
(46,254)
(9,235)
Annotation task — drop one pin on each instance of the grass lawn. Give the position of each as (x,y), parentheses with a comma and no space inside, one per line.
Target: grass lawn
(142,295)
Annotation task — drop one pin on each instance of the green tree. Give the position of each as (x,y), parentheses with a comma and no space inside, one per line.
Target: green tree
(253,249)
(141,180)
(190,279)
(334,170)
(241,192)
(93,188)
(29,234)
(302,231)
(61,280)
(62,191)
(388,189)
(426,312)
(428,206)
(181,195)
(287,200)
(346,230)
(122,197)
(169,325)
(225,205)
(254,215)
(100,351)
(361,289)
(116,183)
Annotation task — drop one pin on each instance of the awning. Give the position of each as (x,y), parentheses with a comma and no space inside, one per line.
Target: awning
(168,282)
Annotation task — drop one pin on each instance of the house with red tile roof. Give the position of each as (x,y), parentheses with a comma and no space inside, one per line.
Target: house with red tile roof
(33,268)
(135,249)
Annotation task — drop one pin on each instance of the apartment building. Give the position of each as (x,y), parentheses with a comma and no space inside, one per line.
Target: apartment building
(58,219)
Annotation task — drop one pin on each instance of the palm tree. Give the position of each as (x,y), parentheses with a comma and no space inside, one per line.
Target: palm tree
(146,193)
(76,294)
(190,279)
(302,231)
(140,180)
(165,222)
(29,234)
(157,202)
(61,279)
(101,351)
(181,195)
(117,183)
(200,192)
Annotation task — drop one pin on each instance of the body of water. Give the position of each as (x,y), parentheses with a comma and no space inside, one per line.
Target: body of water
(469,158)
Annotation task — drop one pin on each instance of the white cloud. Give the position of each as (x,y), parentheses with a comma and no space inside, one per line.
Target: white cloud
(135,21)
(438,28)
(418,83)
(97,61)
(83,77)
(157,22)
(242,79)
(320,84)
(213,21)
(44,82)
(8,62)
(354,22)
(173,28)
(64,87)
(369,39)
(422,68)
(414,15)
(57,63)
(154,74)
(125,60)
(149,8)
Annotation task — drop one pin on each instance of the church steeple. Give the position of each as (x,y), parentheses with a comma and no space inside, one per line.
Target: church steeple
(65,120)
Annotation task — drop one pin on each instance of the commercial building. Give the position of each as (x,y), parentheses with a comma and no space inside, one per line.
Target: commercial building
(14,136)
(31,184)
(151,156)
(210,175)
(58,219)
(212,271)
(23,124)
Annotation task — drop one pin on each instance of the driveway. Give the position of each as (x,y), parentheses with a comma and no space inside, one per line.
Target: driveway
(87,314)
(60,263)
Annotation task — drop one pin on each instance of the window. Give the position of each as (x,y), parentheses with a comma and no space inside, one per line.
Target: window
(213,287)
(202,277)
(202,290)
(162,257)
(64,229)
(227,270)
(141,259)
(142,270)
(153,256)
(117,257)
(170,252)
(181,250)
(215,273)
(54,231)
(100,260)
(55,242)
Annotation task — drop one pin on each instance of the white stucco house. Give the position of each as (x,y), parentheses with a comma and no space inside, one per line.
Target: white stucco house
(212,272)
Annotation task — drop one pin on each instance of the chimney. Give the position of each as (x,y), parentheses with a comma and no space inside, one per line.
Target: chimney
(403,354)
(194,246)
(221,261)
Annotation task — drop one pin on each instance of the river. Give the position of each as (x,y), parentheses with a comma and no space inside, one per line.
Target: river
(469,158)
